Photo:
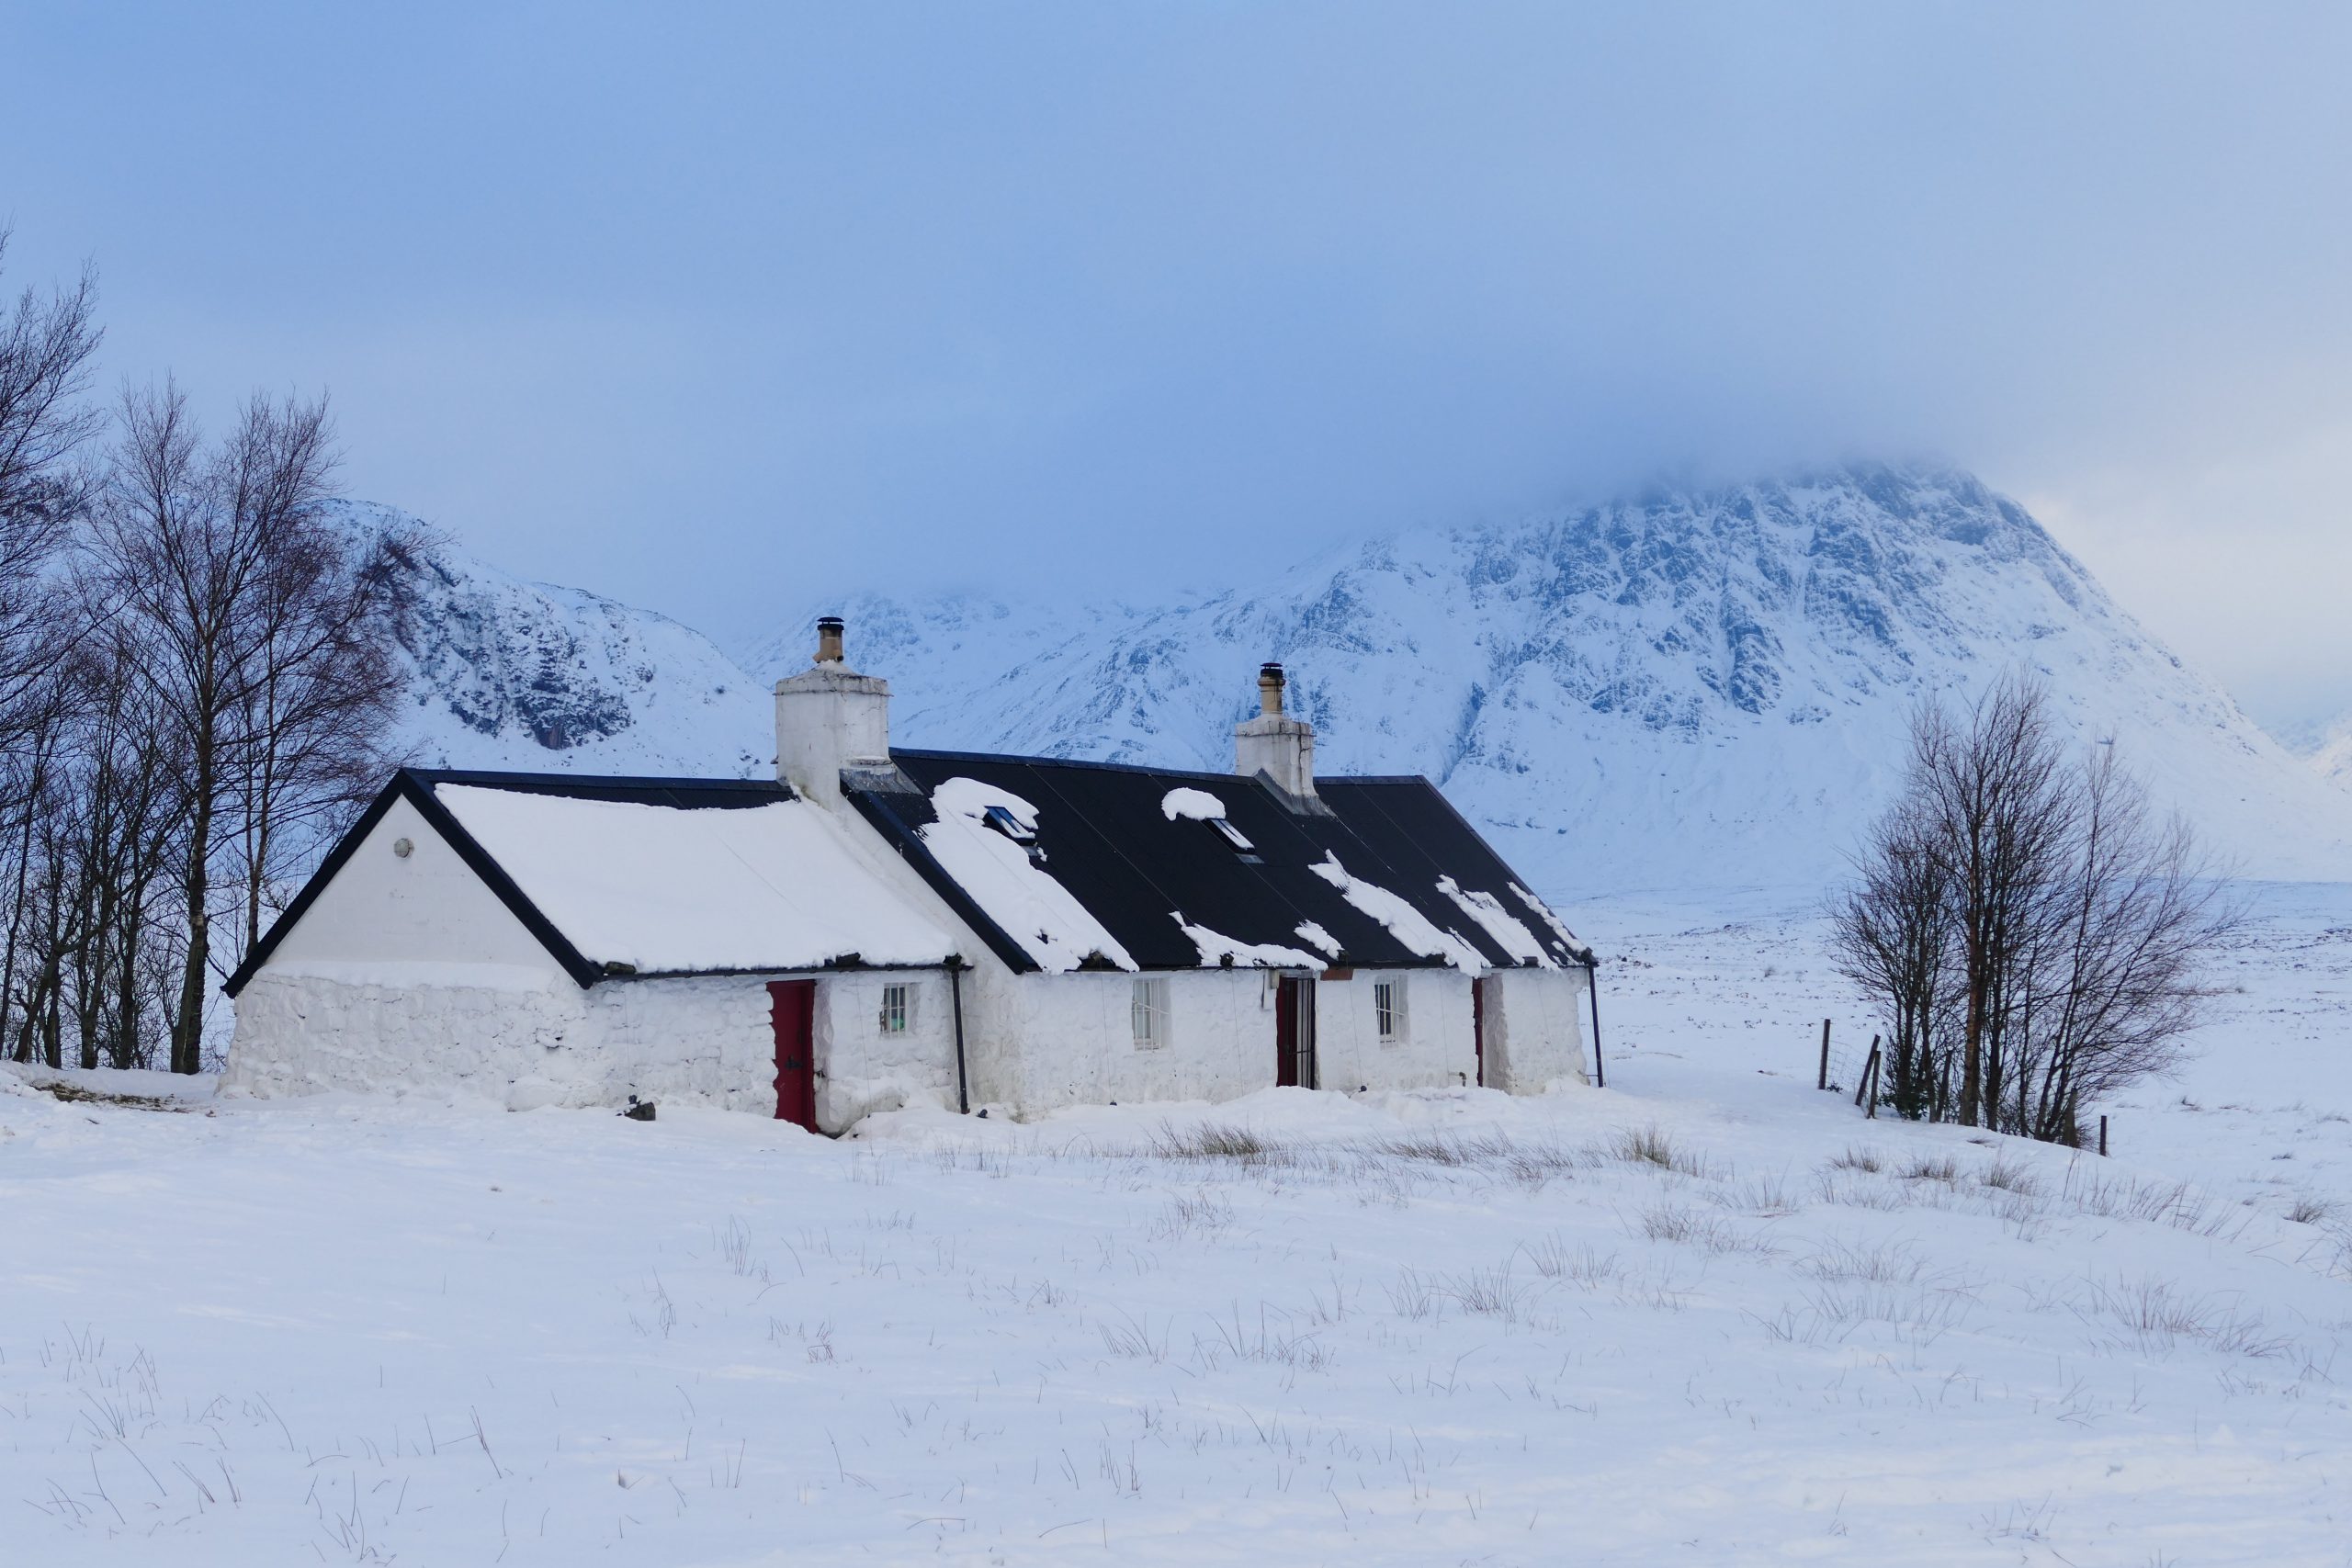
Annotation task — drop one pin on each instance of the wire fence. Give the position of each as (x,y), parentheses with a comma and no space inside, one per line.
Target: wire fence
(1847,1054)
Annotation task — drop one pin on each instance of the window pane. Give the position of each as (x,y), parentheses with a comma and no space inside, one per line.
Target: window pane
(1148,1008)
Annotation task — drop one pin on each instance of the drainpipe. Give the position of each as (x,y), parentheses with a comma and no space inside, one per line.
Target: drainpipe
(955,993)
(1592,991)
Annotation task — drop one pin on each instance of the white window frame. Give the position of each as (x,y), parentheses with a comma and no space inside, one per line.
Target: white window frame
(899,1019)
(1148,1012)
(1388,1010)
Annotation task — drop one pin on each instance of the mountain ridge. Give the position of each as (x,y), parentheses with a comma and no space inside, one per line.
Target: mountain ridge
(1683,688)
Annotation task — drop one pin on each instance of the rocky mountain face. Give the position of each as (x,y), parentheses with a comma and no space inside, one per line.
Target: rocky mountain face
(505,673)
(1678,690)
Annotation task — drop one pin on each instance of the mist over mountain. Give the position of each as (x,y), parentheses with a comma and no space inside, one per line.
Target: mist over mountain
(1683,688)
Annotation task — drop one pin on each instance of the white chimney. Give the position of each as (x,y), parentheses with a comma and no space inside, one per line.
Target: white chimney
(1275,744)
(829,718)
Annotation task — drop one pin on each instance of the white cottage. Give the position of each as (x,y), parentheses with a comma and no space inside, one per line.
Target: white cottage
(880,927)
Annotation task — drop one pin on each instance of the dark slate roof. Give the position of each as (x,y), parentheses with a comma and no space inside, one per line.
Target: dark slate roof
(1107,839)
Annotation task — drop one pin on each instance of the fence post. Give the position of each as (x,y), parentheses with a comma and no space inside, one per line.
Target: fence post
(1870,1069)
(1825,1055)
(2102,1137)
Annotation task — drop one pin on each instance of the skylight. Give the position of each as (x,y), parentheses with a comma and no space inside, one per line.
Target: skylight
(1001,818)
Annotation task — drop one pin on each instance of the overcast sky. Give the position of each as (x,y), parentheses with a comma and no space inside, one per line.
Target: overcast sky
(713,308)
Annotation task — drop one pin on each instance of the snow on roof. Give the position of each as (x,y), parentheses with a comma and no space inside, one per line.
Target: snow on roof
(1193,805)
(1543,912)
(1506,928)
(1406,923)
(1215,950)
(1319,937)
(1019,894)
(664,890)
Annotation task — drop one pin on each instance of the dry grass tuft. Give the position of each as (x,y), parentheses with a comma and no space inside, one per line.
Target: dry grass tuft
(1217,1141)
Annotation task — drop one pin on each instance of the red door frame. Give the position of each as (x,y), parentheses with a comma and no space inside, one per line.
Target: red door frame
(1478,1024)
(1294,1065)
(793,1011)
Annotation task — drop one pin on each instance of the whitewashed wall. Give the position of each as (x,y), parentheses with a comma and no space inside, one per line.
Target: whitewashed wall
(860,1069)
(1438,1049)
(1043,1041)
(704,1040)
(423,918)
(1535,1030)
(1039,1041)
(302,1033)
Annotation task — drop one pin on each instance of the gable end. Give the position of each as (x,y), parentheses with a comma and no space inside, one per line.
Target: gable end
(407,785)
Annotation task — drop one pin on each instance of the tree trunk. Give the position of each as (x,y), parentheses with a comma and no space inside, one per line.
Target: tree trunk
(1972,1055)
(187,1020)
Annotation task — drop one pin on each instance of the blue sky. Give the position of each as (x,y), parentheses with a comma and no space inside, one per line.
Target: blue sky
(710,307)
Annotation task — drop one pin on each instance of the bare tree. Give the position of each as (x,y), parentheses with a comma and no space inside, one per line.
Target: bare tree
(2138,912)
(2025,916)
(1891,932)
(1998,806)
(214,558)
(196,677)
(320,700)
(46,345)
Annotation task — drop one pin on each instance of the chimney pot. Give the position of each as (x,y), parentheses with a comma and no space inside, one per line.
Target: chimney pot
(1275,744)
(1270,688)
(829,640)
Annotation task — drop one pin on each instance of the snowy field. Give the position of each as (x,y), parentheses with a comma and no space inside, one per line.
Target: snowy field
(1706,1315)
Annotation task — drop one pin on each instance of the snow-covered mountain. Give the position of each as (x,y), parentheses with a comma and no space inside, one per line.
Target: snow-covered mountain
(1684,689)
(2332,759)
(505,673)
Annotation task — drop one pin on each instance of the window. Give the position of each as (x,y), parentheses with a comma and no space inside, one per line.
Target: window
(1388,1010)
(1001,818)
(896,1005)
(1148,1010)
(1243,849)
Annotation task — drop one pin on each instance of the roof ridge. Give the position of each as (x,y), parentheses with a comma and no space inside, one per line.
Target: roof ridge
(493,777)
(1216,775)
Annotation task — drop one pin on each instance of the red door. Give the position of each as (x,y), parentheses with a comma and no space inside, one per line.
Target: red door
(1479,1022)
(1295,1033)
(794,1010)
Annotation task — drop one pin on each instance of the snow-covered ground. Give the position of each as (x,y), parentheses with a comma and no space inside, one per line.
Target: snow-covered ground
(1709,1315)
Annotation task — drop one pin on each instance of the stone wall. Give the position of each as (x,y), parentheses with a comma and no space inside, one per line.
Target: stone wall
(1535,1030)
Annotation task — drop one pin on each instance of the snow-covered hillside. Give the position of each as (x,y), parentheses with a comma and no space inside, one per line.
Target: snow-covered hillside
(505,674)
(2333,761)
(1684,689)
